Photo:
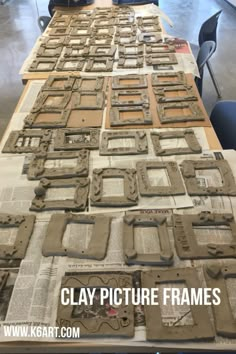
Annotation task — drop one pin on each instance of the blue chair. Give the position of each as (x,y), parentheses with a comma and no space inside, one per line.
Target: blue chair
(43,22)
(208,32)
(223,119)
(205,52)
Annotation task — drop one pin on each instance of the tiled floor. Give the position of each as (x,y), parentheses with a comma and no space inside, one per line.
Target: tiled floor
(19,30)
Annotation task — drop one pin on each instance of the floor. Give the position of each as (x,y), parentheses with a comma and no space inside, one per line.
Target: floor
(19,30)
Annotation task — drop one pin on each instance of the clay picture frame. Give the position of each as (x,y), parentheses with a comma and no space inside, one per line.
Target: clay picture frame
(81,22)
(81,31)
(92,63)
(25,227)
(135,98)
(133,82)
(125,62)
(84,100)
(169,79)
(50,62)
(130,29)
(159,59)
(60,120)
(102,51)
(152,37)
(75,41)
(130,197)
(45,52)
(78,203)
(146,189)
(44,96)
(148,20)
(126,49)
(52,42)
(62,139)
(140,139)
(132,257)
(74,51)
(59,31)
(196,114)
(53,83)
(103,32)
(86,83)
(193,146)
(159,48)
(97,247)
(124,38)
(76,64)
(163,94)
(117,112)
(98,41)
(104,22)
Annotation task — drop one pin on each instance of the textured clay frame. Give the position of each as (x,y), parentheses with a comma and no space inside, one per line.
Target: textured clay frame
(35,63)
(164,258)
(69,51)
(96,41)
(79,67)
(216,276)
(61,134)
(160,48)
(189,167)
(90,327)
(144,28)
(160,93)
(25,226)
(125,20)
(97,248)
(59,31)
(85,22)
(155,329)
(141,143)
(73,31)
(107,61)
(37,170)
(186,242)
(139,49)
(180,76)
(196,112)
(68,85)
(98,32)
(116,85)
(78,203)
(79,82)
(69,39)
(30,120)
(157,59)
(100,100)
(122,60)
(189,136)
(148,20)
(11,144)
(119,36)
(56,52)
(132,30)
(40,102)
(144,98)
(46,42)
(130,197)
(97,23)
(115,119)
(146,189)
(94,51)
(157,38)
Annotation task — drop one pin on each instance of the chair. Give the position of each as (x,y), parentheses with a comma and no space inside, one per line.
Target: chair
(204,54)
(208,32)
(43,22)
(223,119)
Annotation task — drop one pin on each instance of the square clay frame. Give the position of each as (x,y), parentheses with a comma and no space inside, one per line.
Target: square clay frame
(56,52)
(196,112)
(116,121)
(180,75)
(68,85)
(160,93)
(144,98)
(40,103)
(79,67)
(35,63)
(164,258)
(97,248)
(79,82)
(100,100)
(61,134)
(30,120)
(46,42)
(59,31)
(146,189)
(116,85)
(130,197)
(74,31)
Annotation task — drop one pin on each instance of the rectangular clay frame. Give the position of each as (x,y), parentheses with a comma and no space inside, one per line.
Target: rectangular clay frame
(147,190)
(189,136)
(46,42)
(141,144)
(164,258)
(125,20)
(160,93)
(79,81)
(96,32)
(35,63)
(55,20)
(81,38)
(120,327)
(30,120)
(73,31)
(93,52)
(100,100)
(44,135)
(144,98)
(25,227)
(161,48)
(37,170)
(144,28)
(78,203)
(122,60)
(131,38)
(216,276)
(42,97)
(139,47)
(59,31)
(68,52)
(48,85)
(157,37)
(61,134)
(130,197)
(3,279)
(146,20)
(189,167)
(157,59)
(107,61)
(97,248)
(143,83)
(186,242)
(180,75)
(155,330)
(56,52)
(132,30)
(97,23)
(116,121)
(196,112)
(93,41)
(85,22)
(61,64)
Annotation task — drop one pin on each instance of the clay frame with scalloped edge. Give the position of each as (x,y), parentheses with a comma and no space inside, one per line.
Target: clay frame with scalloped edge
(80,81)
(97,247)
(178,78)
(161,97)
(143,94)
(117,85)
(130,197)
(60,140)
(43,96)
(189,167)
(195,115)
(176,186)
(44,136)
(200,330)
(140,138)
(216,276)
(35,64)
(186,242)
(123,326)
(67,86)
(99,96)
(189,136)
(37,169)
(78,203)
(163,258)
(116,121)
(25,227)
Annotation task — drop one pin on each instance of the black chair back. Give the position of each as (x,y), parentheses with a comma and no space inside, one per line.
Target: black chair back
(208,31)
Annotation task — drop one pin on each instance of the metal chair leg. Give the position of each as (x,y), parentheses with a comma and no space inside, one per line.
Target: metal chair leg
(214,80)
